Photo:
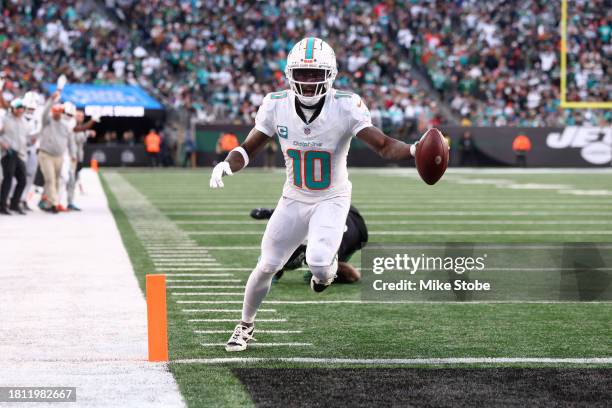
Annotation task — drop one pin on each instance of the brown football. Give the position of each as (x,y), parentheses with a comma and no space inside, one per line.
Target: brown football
(432,156)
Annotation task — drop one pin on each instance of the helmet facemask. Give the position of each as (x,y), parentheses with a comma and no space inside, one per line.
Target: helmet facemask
(310,84)
(311,70)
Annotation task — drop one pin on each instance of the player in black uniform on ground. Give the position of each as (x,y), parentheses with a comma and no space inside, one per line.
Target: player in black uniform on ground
(355,237)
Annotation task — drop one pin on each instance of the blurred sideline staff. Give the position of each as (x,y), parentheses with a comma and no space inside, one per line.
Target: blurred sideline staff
(521,146)
(226,143)
(152,143)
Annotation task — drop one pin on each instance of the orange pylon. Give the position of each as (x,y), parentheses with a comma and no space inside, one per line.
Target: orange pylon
(156,318)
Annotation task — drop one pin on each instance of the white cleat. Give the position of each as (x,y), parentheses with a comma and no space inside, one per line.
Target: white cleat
(240,338)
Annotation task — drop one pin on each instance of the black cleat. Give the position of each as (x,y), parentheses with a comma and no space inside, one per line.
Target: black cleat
(261,213)
(17,209)
(319,287)
(277,276)
(5,211)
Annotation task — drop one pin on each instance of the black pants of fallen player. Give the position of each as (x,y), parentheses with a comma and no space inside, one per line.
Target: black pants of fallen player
(12,166)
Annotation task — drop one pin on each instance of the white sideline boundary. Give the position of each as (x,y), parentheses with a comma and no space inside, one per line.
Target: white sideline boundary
(398,361)
(72,312)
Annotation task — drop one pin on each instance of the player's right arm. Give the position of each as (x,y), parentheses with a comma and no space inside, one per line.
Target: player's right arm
(253,144)
(238,158)
(257,138)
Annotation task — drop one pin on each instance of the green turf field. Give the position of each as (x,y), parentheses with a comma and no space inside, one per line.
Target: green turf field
(206,244)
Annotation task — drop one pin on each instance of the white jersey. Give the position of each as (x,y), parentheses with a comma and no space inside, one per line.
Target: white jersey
(315,153)
(35,123)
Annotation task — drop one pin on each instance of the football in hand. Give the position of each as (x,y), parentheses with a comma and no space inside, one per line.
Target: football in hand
(431,156)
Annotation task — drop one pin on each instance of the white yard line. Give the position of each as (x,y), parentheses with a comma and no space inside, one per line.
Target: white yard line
(258,331)
(224,310)
(234,320)
(425,232)
(185,269)
(221,222)
(517,232)
(405,205)
(401,201)
(205,286)
(209,275)
(237,248)
(397,361)
(425,213)
(58,325)
(171,247)
(206,269)
(491,222)
(172,263)
(212,262)
(495,213)
(220,269)
(430,222)
(206,294)
(258,344)
(202,280)
(174,257)
(241,232)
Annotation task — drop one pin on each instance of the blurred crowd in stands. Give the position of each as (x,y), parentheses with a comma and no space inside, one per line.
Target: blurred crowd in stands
(491,62)
(589,30)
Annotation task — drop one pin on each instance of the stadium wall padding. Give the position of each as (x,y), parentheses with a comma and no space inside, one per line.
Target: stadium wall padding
(551,147)
(571,146)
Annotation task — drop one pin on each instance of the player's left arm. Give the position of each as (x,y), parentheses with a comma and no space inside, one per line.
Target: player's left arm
(386,147)
(360,125)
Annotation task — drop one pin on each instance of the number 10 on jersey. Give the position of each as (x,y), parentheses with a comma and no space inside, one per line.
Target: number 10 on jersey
(305,165)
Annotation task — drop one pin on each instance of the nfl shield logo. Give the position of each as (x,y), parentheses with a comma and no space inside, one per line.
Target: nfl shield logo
(307,131)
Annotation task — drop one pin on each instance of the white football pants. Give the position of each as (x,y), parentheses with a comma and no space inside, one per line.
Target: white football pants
(321,224)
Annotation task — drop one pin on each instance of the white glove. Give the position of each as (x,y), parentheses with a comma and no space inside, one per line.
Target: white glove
(61,81)
(220,170)
(96,117)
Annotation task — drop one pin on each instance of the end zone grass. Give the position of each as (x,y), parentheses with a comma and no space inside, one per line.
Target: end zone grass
(478,207)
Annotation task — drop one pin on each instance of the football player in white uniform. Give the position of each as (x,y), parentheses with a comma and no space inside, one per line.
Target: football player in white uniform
(314,124)
(32,115)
